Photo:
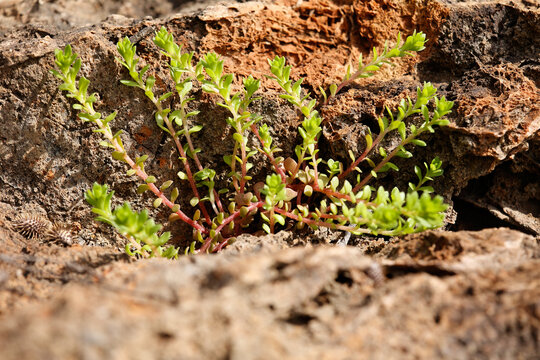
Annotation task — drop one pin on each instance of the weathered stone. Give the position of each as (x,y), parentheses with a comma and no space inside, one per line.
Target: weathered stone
(432,295)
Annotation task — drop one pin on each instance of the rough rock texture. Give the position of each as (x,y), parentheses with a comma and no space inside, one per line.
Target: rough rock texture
(66,14)
(435,295)
(468,294)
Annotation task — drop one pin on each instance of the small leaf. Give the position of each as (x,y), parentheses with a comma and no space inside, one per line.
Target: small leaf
(238,138)
(150,180)
(141,159)
(195,129)
(166,185)
(418,142)
(157,202)
(174,194)
(164,96)
(418,172)
(117,155)
(129,83)
(194,201)
(402,131)
(333,88)
(371,68)
(142,188)
(369,141)
(280,219)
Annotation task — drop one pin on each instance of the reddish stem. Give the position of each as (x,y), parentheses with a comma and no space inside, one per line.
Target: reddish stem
(382,163)
(269,155)
(363,156)
(315,222)
(196,159)
(225,222)
(243,167)
(186,167)
(143,175)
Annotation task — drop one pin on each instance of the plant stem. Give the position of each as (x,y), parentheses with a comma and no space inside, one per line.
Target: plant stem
(226,221)
(271,158)
(325,224)
(357,74)
(183,154)
(363,156)
(141,173)
(243,166)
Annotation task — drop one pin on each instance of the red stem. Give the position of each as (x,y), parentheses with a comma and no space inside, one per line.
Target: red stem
(226,221)
(187,168)
(269,155)
(382,163)
(143,175)
(363,156)
(243,167)
(314,222)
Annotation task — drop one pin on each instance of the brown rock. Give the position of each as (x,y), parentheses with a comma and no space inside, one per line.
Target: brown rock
(469,294)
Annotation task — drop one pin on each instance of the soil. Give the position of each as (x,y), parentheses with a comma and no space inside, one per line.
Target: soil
(469,290)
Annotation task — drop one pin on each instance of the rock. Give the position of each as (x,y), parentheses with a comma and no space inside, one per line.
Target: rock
(496,96)
(457,297)
(439,294)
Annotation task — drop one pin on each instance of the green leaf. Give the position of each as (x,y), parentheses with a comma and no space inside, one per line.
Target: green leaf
(182,175)
(174,194)
(195,129)
(130,83)
(238,138)
(280,219)
(333,89)
(142,188)
(150,81)
(418,142)
(117,155)
(166,185)
(402,130)
(418,172)
(164,96)
(140,160)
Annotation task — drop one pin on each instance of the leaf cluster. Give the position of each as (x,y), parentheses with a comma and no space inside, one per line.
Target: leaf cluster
(299,190)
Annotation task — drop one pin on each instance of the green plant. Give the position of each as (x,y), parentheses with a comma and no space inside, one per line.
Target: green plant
(306,190)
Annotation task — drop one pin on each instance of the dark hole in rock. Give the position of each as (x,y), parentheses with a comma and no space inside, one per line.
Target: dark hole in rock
(473,218)
(394,271)
(165,335)
(344,277)
(299,319)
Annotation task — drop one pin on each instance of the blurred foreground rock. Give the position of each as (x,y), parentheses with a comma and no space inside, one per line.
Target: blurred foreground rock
(452,295)
(435,295)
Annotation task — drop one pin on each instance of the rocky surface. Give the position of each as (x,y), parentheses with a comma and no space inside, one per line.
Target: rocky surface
(464,294)
(434,295)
